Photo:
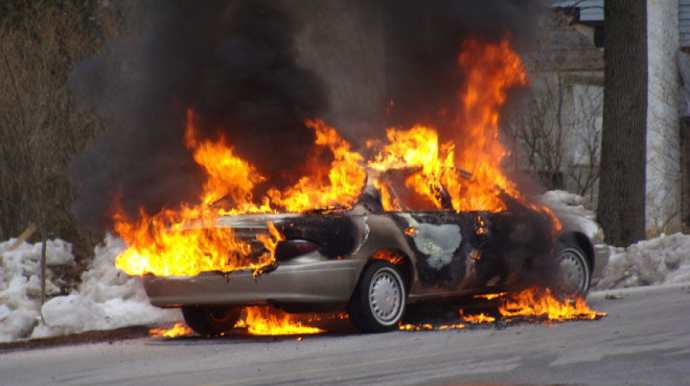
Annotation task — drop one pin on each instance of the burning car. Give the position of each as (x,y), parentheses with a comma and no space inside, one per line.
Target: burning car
(374,262)
(426,215)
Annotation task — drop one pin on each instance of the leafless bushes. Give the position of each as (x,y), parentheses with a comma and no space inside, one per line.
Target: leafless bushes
(555,128)
(557,132)
(40,126)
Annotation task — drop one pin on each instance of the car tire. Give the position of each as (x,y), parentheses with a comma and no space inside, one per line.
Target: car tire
(574,271)
(378,302)
(211,321)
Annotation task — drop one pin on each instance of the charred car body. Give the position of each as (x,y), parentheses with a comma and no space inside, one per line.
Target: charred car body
(375,262)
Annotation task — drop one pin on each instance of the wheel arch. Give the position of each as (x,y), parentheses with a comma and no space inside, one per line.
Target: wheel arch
(370,309)
(581,240)
(400,260)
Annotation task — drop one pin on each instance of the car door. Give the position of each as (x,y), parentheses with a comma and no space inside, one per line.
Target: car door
(446,248)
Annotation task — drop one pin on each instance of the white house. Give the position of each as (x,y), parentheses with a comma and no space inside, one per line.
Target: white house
(668,114)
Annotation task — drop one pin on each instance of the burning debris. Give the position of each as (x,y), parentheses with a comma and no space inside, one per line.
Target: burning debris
(179,329)
(530,305)
(478,318)
(542,305)
(263,321)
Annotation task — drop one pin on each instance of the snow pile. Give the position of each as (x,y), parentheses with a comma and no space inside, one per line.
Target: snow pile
(106,299)
(665,259)
(20,284)
(567,203)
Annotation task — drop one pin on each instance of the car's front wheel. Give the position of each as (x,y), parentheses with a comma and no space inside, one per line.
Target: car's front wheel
(574,272)
(378,302)
(211,320)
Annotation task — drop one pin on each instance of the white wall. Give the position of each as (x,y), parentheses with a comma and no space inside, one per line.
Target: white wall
(663,123)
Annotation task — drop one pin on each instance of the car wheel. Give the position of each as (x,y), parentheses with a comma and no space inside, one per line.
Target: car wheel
(574,272)
(211,320)
(378,302)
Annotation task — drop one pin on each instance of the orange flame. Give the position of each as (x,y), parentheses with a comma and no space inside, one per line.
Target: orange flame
(392,257)
(184,242)
(537,305)
(337,186)
(490,296)
(268,321)
(416,148)
(429,327)
(542,304)
(490,70)
(177,243)
(479,318)
(467,166)
(451,327)
(416,327)
(179,329)
(227,175)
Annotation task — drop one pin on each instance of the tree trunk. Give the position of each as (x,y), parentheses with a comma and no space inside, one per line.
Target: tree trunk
(685,166)
(621,209)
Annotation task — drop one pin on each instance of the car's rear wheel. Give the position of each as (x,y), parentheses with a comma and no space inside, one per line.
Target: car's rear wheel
(211,320)
(378,302)
(574,272)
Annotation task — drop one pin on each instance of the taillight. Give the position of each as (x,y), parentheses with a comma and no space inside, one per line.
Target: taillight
(288,249)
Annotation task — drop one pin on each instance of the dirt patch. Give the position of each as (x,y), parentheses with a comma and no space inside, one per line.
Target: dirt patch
(80,338)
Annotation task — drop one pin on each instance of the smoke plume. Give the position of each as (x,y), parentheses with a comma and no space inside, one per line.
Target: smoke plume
(423,41)
(253,71)
(232,62)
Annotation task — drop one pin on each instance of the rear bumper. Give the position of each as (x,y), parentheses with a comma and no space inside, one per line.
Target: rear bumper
(305,280)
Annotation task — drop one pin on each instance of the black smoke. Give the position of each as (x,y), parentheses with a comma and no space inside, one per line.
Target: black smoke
(254,71)
(231,61)
(424,39)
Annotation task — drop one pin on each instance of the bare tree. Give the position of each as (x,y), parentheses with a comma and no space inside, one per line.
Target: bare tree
(556,127)
(557,132)
(583,167)
(40,126)
(539,132)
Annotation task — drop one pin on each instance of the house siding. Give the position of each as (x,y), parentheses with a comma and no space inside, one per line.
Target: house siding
(684,22)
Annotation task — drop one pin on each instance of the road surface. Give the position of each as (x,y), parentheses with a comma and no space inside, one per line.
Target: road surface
(644,340)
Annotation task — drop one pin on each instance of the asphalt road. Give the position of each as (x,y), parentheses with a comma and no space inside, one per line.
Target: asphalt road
(644,340)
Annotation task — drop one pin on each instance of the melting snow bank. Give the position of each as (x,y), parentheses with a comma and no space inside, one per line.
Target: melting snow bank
(20,284)
(665,259)
(106,299)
